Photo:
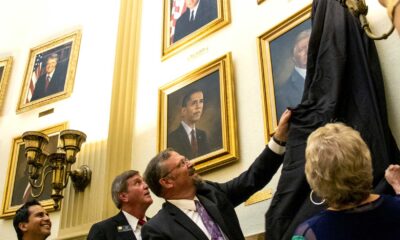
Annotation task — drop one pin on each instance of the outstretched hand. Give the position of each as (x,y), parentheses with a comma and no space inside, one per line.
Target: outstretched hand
(282,130)
(392,175)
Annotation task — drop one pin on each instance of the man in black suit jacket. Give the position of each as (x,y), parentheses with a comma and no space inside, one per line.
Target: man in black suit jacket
(182,139)
(171,176)
(131,195)
(52,81)
(198,13)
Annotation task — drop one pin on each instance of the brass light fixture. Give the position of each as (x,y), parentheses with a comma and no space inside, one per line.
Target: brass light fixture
(59,163)
(359,9)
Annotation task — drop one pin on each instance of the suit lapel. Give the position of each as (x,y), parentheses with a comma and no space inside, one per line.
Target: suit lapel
(214,212)
(182,219)
(124,230)
(185,140)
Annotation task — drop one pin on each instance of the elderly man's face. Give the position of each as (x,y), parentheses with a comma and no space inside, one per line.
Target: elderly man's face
(51,65)
(300,53)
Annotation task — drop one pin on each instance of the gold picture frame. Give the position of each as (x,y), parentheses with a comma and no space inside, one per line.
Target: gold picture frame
(215,125)
(60,58)
(180,32)
(275,49)
(17,184)
(5,70)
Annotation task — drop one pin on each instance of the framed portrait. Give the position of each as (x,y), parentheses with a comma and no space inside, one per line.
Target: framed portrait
(282,53)
(50,73)
(17,189)
(187,21)
(197,116)
(5,69)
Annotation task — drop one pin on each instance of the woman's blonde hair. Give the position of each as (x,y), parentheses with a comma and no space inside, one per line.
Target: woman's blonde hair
(338,165)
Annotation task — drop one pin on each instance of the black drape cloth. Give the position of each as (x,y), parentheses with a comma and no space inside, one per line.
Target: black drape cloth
(343,83)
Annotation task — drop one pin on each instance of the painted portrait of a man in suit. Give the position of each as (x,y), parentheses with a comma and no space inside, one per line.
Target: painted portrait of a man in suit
(21,191)
(52,80)
(194,118)
(289,65)
(49,72)
(196,14)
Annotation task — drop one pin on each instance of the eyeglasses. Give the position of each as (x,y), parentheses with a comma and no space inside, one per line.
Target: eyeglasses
(181,163)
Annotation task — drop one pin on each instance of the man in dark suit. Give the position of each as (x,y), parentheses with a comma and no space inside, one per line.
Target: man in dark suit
(197,209)
(290,93)
(52,81)
(132,196)
(187,139)
(198,13)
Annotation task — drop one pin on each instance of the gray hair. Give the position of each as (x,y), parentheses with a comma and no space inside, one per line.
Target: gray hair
(120,185)
(53,56)
(303,34)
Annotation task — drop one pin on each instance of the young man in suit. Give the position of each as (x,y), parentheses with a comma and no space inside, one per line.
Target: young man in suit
(197,209)
(132,196)
(32,222)
(187,139)
(198,13)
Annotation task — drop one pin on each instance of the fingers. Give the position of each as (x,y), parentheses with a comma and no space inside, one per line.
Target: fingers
(282,130)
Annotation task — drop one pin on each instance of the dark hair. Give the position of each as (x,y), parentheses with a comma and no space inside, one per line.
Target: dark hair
(22,215)
(188,94)
(154,171)
(119,185)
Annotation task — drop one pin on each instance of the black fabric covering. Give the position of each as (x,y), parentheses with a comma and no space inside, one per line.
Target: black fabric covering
(344,83)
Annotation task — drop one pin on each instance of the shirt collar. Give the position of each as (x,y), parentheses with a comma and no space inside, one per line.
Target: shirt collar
(187,128)
(301,71)
(184,204)
(50,74)
(132,220)
(195,8)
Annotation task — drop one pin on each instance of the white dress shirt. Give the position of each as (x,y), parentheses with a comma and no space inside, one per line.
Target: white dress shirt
(188,207)
(133,222)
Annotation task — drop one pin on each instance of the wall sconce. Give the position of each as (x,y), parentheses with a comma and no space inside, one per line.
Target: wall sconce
(59,163)
(359,9)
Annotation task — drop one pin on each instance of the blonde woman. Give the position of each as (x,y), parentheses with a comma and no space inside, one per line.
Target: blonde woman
(338,169)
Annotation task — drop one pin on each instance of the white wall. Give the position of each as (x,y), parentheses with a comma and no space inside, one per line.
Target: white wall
(27,24)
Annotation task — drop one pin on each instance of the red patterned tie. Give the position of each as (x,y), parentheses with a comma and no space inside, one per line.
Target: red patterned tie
(47,83)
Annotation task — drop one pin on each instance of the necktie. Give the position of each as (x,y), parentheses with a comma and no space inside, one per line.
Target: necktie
(191,16)
(141,222)
(47,83)
(193,142)
(210,225)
